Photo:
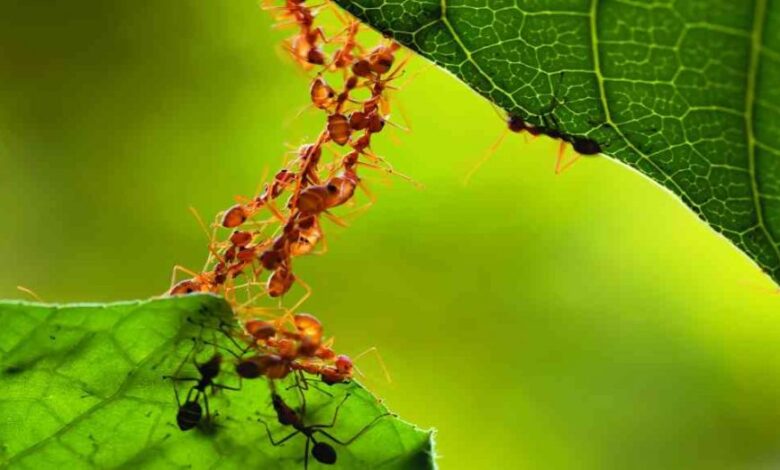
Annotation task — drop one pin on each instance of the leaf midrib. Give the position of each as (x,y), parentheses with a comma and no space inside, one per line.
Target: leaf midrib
(759,20)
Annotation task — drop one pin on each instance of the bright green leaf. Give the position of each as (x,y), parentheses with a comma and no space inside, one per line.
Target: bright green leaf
(683,91)
(82,387)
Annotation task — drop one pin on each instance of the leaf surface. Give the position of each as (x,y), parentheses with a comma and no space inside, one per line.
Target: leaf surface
(82,387)
(683,91)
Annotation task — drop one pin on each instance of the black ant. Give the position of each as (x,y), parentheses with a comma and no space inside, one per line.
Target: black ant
(190,413)
(322,451)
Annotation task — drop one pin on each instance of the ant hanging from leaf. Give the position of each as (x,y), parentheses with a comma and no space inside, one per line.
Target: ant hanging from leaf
(583,146)
(322,451)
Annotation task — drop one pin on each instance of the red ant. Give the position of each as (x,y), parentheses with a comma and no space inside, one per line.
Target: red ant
(303,47)
(344,56)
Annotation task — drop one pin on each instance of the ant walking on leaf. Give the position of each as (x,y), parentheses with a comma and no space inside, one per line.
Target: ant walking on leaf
(190,412)
(322,451)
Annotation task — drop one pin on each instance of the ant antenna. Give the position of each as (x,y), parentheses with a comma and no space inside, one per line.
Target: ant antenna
(30,292)
(375,351)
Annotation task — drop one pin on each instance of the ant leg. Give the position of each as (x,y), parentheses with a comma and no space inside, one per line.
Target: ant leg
(390,171)
(210,236)
(259,311)
(179,379)
(179,268)
(251,300)
(303,397)
(559,158)
(271,437)
(399,69)
(315,387)
(287,318)
(342,19)
(175,391)
(379,359)
(560,167)
(224,387)
(570,163)
(306,453)
(305,296)
(235,343)
(490,152)
(233,353)
(276,213)
(205,402)
(335,415)
(30,292)
(359,433)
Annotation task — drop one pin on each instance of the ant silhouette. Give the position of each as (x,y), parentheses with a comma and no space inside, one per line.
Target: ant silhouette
(322,451)
(190,412)
(550,127)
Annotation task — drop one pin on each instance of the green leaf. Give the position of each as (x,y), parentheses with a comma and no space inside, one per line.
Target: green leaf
(82,387)
(683,91)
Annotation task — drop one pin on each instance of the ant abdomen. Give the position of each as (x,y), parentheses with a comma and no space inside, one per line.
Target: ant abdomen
(234,216)
(189,415)
(585,146)
(339,128)
(324,453)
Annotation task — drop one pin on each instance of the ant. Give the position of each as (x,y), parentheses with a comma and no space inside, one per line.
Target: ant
(190,413)
(344,56)
(322,451)
(303,47)
(550,127)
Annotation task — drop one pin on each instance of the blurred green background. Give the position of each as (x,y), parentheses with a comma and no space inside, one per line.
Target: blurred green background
(586,320)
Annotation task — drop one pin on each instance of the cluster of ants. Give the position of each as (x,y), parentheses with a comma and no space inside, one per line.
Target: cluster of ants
(266,234)
(250,364)
(312,188)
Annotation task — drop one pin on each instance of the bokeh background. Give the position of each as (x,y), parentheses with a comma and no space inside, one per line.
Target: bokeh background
(586,320)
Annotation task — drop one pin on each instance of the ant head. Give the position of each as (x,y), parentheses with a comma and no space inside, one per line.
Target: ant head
(239,238)
(516,124)
(186,287)
(210,368)
(324,453)
(344,364)
(375,122)
(249,368)
(260,329)
(330,376)
(361,68)
(321,93)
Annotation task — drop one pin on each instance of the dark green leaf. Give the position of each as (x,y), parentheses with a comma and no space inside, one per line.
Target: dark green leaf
(82,387)
(683,91)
